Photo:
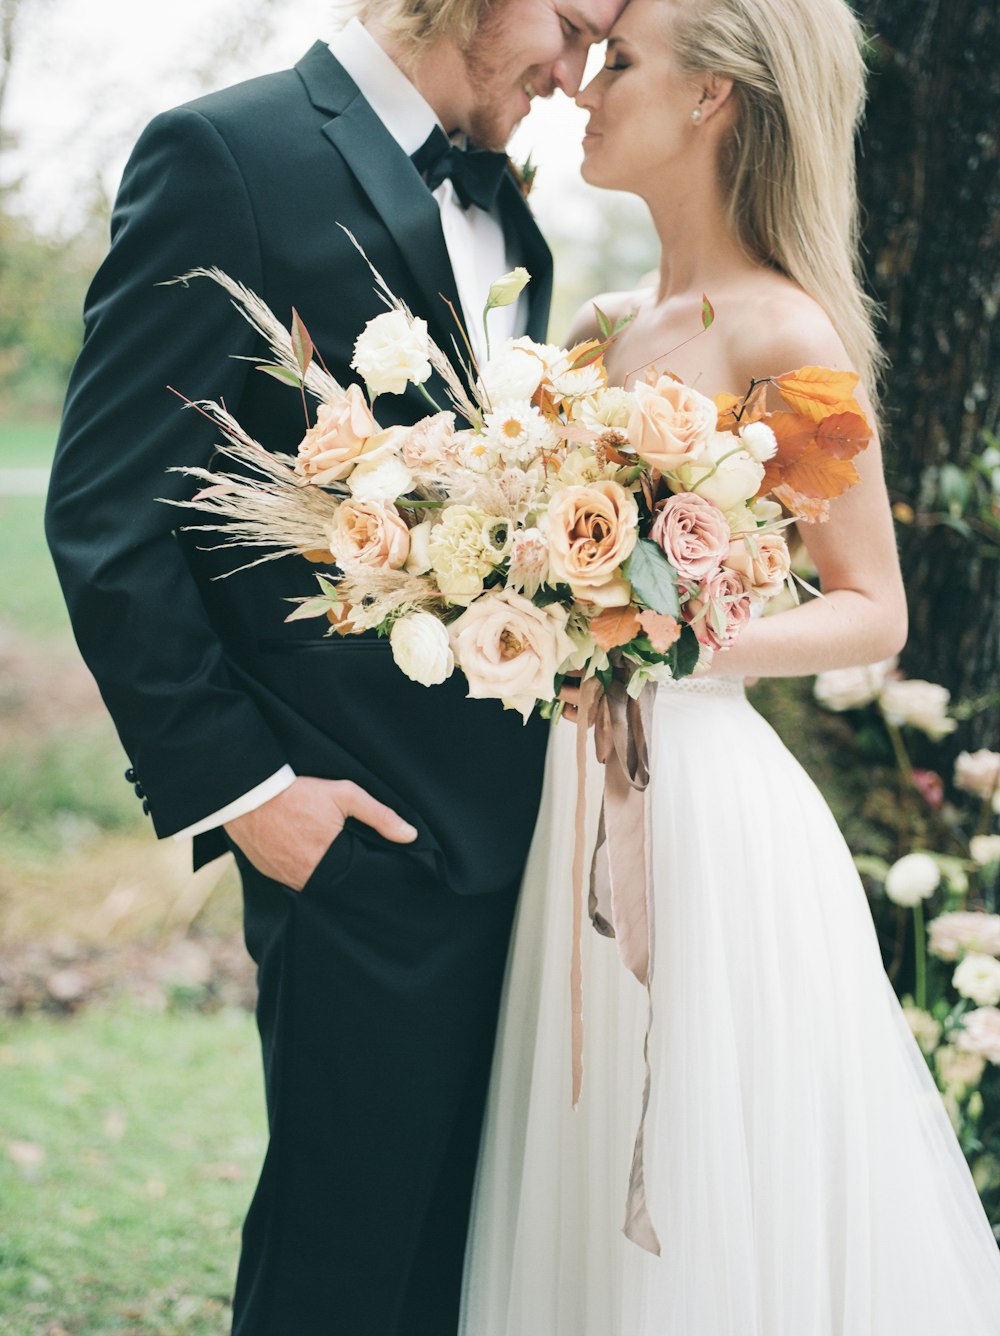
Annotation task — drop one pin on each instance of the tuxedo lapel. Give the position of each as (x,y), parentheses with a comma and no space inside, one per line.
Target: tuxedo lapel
(519,223)
(392,184)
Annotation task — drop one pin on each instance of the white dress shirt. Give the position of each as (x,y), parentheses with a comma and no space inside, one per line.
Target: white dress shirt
(476,248)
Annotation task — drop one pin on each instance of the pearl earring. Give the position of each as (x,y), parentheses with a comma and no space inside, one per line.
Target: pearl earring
(696,115)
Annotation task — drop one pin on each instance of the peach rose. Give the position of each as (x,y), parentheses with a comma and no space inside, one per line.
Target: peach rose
(670,424)
(370,533)
(693,534)
(720,609)
(510,650)
(329,449)
(762,560)
(591,531)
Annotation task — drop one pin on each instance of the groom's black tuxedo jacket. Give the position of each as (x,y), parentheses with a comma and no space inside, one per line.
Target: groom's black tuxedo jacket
(211,692)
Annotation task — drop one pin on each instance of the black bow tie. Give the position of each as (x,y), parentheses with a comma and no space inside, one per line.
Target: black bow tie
(475,173)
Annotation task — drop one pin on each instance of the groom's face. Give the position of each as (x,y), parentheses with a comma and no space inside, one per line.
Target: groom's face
(526,49)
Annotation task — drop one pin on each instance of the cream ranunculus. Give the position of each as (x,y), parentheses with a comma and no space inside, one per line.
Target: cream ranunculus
(670,424)
(391,352)
(371,533)
(964,930)
(980,1034)
(763,560)
(693,534)
(591,530)
(725,474)
(978,772)
(911,879)
(977,977)
(329,449)
(920,704)
(850,688)
(510,650)
(422,649)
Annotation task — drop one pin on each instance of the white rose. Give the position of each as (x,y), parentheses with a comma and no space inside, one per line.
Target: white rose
(850,688)
(985,849)
(964,930)
(959,1070)
(422,649)
(917,703)
(980,1034)
(515,372)
(911,879)
(510,650)
(380,479)
(978,772)
(760,440)
(391,351)
(724,473)
(924,1028)
(978,978)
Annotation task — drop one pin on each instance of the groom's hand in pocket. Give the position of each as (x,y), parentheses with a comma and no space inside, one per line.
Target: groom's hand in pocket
(286,837)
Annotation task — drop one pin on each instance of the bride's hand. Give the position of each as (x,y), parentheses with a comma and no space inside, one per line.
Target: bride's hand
(569,694)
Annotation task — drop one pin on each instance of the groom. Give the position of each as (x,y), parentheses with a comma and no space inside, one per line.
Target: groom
(380,827)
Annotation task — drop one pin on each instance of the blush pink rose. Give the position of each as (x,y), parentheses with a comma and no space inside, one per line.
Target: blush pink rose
(762,560)
(694,535)
(369,533)
(329,449)
(720,609)
(670,424)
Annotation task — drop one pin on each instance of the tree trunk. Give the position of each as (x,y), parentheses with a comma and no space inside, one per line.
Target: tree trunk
(930,188)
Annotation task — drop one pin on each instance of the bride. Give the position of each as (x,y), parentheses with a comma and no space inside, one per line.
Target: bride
(800,1171)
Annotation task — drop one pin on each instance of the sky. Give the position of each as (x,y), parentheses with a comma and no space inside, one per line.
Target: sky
(89,74)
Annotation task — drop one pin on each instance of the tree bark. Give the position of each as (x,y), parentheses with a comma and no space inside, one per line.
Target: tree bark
(929,177)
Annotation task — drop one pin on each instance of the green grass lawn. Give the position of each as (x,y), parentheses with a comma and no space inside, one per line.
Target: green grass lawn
(129,1148)
(27,444)
(30,598)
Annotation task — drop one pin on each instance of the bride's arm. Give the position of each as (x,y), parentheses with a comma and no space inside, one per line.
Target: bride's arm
(862,615)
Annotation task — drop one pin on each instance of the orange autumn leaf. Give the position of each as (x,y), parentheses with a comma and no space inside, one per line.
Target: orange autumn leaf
(615,626)
(585,353)
(727,406)
(662,629)
(802,507)
(739,410)
(820,475)
(321,556)
(794,434)
(816,391)
(843,435)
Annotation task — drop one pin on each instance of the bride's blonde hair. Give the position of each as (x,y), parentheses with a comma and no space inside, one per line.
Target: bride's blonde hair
(788,164)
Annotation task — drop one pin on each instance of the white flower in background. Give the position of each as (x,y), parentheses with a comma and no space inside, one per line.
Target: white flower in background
(422,649)
(964,930)
(380,479)
(850,688)
(980,1034)
(518,432)
(609,409)
(978,978)
(391,352)
(724,473)
(924,1028)
(461,551)
(959,1070)
(529,561)
(920,704)
(477,453)
(911,879)
(978,772)
(759,440)
(985,849)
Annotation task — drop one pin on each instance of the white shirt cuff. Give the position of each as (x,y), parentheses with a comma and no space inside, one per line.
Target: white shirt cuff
(262,793)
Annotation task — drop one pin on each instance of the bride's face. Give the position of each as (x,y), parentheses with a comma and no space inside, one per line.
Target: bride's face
(640,104)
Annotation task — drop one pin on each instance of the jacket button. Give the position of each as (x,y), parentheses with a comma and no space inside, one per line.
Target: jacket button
(139,791)
(145,806)
(131,776)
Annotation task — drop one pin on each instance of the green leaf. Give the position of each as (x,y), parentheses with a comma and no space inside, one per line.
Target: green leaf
(603,323)
(548,594)
(707,312)
(686,653)
(310,607)
(653,578)
(302,344)
(282,373)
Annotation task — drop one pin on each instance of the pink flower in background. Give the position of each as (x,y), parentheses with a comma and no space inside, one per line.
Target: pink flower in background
(930,786)
(965,930)
(980,1033)
(694,535)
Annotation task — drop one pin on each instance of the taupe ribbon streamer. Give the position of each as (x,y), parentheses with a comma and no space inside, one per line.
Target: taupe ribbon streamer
(619,901)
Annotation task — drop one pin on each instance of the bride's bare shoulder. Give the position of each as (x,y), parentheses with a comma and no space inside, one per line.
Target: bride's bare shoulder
(615,305)
(781,329)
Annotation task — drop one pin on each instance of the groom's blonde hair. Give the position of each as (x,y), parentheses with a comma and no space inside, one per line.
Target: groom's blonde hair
(789,164)
(418,24)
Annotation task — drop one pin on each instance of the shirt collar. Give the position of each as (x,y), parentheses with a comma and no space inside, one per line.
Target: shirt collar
(404,111)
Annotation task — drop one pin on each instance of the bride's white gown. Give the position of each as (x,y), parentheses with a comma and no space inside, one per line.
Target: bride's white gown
(802,1174)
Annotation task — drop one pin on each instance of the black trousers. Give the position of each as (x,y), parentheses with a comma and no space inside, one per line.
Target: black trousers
(377,1011)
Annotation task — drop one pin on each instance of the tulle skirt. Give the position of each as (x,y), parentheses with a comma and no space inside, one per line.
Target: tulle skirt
(802,1174)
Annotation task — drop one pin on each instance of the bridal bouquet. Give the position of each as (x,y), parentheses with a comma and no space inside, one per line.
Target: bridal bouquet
(541,522)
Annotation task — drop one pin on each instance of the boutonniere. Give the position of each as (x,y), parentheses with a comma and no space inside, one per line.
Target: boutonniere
(523,174)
